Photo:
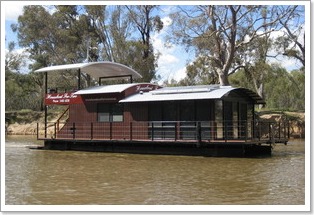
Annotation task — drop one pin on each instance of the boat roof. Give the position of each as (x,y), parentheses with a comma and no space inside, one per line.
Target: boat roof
(117,88)
(191,93)
(103,69)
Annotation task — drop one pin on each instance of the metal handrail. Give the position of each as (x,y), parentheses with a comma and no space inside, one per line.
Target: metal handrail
(59,119)
(198,131)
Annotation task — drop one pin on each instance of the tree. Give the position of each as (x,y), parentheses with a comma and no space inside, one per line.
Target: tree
(223,32)
(255,63)
(14,61)
(55,38)
(143,20)
(199,72)
(20,92)
(292,42)
(73,34)
(283,90)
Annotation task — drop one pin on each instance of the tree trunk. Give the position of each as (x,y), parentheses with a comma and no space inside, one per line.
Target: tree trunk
(260,92)
(223,79)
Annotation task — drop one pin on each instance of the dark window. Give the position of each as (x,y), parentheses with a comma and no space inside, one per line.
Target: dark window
(169,110)
(187,111)
(155,112)
(110,113)
(204,110)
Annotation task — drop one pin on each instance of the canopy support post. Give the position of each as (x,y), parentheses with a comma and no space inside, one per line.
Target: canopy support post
(131,79)
(79,79)
(45,106)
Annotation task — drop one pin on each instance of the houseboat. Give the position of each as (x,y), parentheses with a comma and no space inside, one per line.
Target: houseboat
(206,120)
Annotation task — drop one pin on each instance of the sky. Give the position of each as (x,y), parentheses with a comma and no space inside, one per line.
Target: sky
(172,60)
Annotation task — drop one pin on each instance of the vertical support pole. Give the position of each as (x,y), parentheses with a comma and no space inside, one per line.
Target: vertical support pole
(110,130)
(73,130)
(79,79)
(252,123)
(99,81)
(46,107)
(225,130)
(199,133)
(288,129)
(131,131)
(55,130)
(152,131)
(259,131)
(246,131)
(284,129)
(175,131)
(91,131)
(272,133)
(37,134)
(131,79)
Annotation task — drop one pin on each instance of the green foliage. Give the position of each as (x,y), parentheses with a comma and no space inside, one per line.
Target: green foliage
(20,92)
(283,90)
(110,33)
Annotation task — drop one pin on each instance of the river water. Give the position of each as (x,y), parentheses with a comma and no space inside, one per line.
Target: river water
(40,177)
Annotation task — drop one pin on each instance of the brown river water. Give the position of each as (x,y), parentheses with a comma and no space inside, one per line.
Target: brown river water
(40,177)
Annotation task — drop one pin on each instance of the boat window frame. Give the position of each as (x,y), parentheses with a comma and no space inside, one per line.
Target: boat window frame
(113,112)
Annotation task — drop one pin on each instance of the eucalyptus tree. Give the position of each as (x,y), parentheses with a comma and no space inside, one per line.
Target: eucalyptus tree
(75,33)
(20,91)
(224,33)
(283,90)
(14,61)
(145,21)
(292,42)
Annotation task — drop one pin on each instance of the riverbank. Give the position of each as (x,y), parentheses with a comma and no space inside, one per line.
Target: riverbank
(296,121)
(24,122)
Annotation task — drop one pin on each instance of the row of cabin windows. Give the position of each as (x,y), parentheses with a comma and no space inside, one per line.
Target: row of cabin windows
(163,111)
(182,111)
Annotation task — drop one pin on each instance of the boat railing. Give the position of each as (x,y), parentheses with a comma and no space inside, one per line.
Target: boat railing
(198,131)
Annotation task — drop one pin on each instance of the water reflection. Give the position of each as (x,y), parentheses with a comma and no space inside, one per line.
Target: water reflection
(69,178)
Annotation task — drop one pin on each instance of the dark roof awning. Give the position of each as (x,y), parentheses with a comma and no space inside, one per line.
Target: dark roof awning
(257,99)
(104,69)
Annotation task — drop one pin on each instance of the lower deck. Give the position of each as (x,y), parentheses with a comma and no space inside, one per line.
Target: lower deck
(237,139)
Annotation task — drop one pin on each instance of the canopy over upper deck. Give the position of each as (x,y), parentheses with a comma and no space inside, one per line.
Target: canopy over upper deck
(104,69)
